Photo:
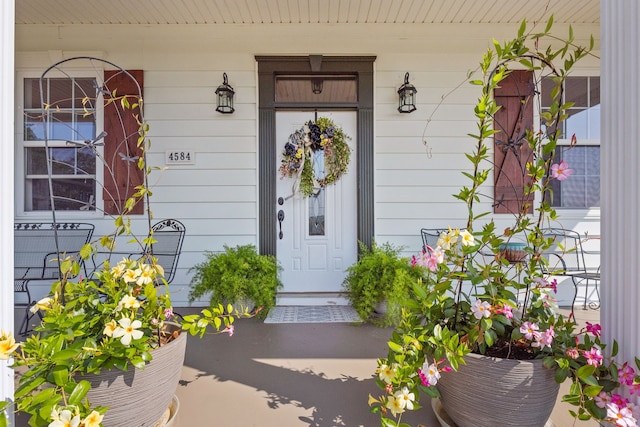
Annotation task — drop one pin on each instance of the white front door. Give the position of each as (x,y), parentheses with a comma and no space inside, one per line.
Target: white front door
(317,237)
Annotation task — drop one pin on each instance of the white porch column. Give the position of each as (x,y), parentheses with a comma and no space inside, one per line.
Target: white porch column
(7,73)
(620,174)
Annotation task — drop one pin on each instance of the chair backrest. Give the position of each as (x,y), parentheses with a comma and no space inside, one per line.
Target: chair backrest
(430,237)
(565,256)
(36,249)
(169,235)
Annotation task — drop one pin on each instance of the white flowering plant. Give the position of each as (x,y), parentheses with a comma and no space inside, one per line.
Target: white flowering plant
(472,299)
(111,322)
(113,319)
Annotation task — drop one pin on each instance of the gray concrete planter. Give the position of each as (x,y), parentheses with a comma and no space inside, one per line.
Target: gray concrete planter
(140,397)
(490,392)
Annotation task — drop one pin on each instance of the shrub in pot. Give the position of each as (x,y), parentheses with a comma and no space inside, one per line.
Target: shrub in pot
(237,275)
(380,276)
(474,300)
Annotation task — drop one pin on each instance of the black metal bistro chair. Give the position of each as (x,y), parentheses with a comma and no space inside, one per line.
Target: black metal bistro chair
(565,258)
(168,235)
(38,248)
(430,237)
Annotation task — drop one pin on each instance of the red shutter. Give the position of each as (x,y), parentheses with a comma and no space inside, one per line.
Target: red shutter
(121,173)
(511,150)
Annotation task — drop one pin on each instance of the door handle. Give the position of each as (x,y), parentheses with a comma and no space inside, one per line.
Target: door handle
(280,219)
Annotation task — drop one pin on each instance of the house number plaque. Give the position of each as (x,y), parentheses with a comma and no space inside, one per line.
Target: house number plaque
(180,157)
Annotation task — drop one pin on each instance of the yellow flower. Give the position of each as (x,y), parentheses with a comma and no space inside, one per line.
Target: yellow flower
(467,238)
(159,270)
(64,418)
(386,373)
(446,240)
(128,330)
(145,275)
(93,419)
(299,153)
(44,304)
(129,276)
(7,345)
(118,270)
(395,405)
(109,328)
(405,398)
(372,400)
(129,301)
(92,350)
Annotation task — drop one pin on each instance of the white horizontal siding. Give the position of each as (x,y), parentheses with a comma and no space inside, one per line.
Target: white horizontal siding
(217,196)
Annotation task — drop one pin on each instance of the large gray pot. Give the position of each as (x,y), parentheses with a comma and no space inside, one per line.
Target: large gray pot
(490,392)
(139,397)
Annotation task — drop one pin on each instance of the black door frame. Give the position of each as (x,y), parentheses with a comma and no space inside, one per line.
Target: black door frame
(268,68)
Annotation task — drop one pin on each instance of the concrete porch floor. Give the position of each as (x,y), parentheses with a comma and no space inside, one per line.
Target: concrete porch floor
(312,375)
(288,375)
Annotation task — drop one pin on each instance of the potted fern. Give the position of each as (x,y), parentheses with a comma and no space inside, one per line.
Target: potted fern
(379,279)
(238,275)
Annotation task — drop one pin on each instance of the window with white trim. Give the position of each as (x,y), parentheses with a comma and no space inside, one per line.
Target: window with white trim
(70,119)
(582,189)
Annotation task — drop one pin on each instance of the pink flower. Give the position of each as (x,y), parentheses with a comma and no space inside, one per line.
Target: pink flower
(168,313)
(595,329)
(602,400)
(544,339)
(572,353)
(229,330)
(540,282)
(507,310)
(530,330)
(429,374)
(547,300)
(561,171)
(626,374)
(594,356)
(426,259)
(481,309)
(423,378)
(634,389)
(618,400)
(547,337)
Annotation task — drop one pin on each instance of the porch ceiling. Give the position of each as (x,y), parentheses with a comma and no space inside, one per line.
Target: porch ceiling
(67,12)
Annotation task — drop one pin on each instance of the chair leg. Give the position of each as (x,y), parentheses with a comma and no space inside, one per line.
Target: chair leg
(596,304)
(28,315)
(24,326)
(575,295)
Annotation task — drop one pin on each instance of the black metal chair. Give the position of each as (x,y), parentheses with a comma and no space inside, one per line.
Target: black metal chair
(168,235)
(430,237)
(591,275)
(565,258)
(37,249)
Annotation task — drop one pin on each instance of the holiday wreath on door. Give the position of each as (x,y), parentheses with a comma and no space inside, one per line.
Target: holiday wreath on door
(315,156)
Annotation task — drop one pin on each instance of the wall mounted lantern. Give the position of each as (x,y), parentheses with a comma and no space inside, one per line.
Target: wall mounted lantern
(316,85)
(407,96)
(225,96)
